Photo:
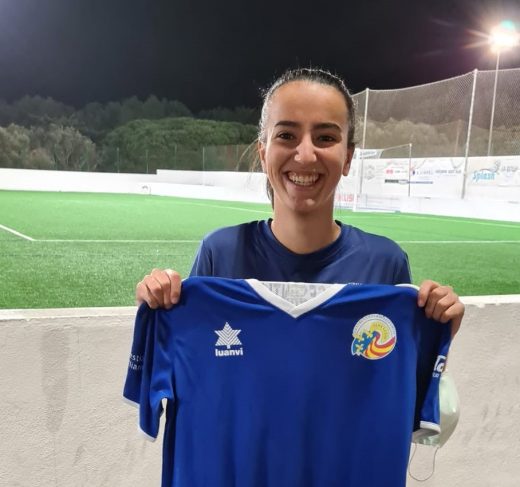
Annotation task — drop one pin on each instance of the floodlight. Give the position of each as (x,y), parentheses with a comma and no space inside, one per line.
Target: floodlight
(502,37)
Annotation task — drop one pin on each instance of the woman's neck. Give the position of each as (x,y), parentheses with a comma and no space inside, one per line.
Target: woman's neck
(304,233)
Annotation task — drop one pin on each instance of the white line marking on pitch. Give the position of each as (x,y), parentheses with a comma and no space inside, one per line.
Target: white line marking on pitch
(14,232)
(458,241)
(228,207)
(58,240)
(449,219)
(198,241)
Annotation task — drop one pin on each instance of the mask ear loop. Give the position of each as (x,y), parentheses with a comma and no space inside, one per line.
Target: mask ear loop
(414,446)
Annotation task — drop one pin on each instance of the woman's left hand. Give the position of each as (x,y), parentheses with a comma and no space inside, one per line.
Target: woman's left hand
(441,303)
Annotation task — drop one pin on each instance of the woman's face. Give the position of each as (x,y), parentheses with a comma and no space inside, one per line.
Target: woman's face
(304,151)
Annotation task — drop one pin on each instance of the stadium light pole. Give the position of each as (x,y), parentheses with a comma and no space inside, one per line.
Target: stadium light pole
(502,37)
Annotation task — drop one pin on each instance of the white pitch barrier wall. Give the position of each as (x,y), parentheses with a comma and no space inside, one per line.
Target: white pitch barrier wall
(218,185)
(63,422)
(490,178)
(75,181)
(491,187)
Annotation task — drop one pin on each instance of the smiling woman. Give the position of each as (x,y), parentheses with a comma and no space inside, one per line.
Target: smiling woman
(305,144)
(315,82)
(304,150)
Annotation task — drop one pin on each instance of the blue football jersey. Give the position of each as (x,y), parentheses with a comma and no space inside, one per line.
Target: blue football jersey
(252,250)
(287,384)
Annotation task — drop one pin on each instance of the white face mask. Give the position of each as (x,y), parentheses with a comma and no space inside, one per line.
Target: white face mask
(450,411)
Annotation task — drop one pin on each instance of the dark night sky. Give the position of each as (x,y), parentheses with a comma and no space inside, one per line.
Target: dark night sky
(207,53)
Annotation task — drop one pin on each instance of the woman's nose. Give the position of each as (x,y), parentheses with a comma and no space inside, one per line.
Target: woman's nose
(305,151)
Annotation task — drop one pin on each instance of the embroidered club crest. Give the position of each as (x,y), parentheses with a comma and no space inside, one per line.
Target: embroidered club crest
(374,337)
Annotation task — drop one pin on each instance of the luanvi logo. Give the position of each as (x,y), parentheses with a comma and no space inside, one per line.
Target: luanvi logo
(438,368)
(227,337)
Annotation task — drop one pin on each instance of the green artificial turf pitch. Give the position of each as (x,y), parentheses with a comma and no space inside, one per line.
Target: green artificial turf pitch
(88,249)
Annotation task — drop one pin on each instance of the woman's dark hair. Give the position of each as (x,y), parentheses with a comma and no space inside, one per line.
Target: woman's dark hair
(314,75)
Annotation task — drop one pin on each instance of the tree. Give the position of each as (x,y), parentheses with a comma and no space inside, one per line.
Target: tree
(174,143)
(153,109)
(131,109)
(92,121)
(241,114)
(174,108)
(14,146)
(35,110)
(70,150)
(39,158)
(113,114)
(6,113)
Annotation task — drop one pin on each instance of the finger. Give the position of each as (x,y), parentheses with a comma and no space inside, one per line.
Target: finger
(457,321)
(435,294)
(454,313)
(144,295)
(175,286)
(439,300)
(424,291)
(152,289)
(153,293)
(163,277)
(151,298)
(161,290)
(140,291)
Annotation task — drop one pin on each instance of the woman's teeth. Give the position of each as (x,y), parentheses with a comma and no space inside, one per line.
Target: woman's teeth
(303,179)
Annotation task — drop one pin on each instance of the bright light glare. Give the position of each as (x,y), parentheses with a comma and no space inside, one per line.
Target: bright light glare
(504,36)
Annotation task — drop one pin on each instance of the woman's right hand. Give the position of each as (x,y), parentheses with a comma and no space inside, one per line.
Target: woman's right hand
(159,289)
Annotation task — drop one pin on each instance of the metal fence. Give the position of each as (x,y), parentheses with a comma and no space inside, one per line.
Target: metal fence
(476,114)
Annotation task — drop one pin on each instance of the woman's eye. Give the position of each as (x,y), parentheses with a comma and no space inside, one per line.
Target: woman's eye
(285,136)
(326,138)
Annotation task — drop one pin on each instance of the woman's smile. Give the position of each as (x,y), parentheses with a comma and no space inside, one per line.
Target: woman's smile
(303,179)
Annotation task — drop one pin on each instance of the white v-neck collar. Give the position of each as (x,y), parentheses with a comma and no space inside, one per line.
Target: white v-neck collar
(291,309)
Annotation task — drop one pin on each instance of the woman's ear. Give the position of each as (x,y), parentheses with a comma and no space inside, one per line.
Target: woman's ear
(348,160)
(260,146)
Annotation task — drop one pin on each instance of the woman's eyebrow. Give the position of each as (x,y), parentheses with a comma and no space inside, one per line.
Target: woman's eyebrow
(322,125)
(286,123)
(328,125)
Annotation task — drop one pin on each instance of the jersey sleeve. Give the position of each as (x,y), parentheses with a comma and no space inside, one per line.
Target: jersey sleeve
(149,378)
(403,274)
(202,264)
(433,350)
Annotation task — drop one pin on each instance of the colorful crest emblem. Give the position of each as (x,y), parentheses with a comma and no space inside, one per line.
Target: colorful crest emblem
(374,337)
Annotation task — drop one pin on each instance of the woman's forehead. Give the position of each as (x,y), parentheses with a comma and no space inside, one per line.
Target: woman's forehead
(307,101)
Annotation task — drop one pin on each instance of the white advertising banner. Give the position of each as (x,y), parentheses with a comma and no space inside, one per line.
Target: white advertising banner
(437,178)
(386,176)
(493,177)
(425,177)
